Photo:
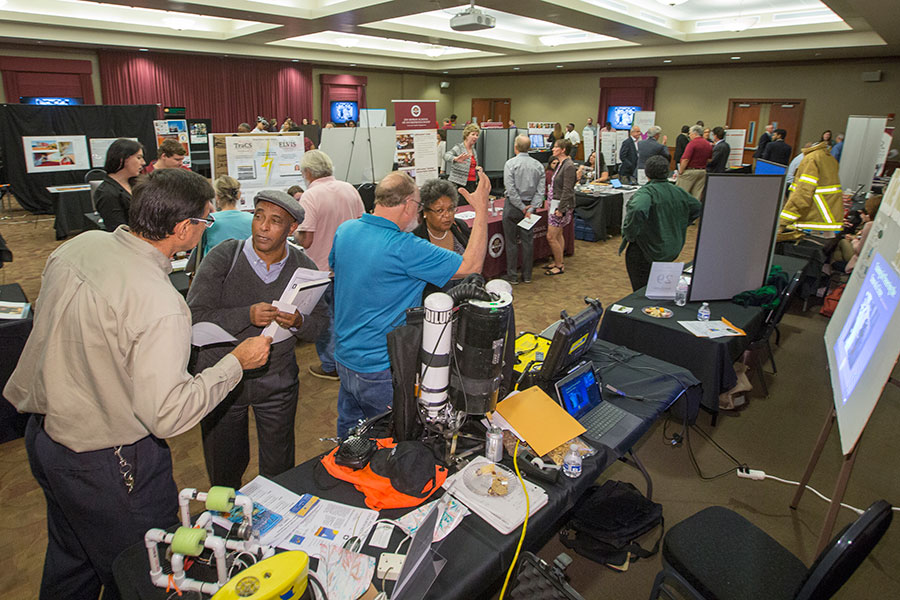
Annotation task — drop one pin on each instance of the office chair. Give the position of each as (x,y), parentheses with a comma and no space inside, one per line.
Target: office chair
(717,554)
(753,352)
(94,177)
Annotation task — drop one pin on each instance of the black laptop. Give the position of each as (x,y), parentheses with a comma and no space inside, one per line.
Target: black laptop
(580,395)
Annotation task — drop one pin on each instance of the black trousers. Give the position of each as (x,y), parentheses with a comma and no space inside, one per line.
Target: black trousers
(515,235)
(638,266)
(226,441)
(91,516)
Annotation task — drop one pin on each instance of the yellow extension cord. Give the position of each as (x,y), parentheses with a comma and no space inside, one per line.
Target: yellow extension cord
(524,524)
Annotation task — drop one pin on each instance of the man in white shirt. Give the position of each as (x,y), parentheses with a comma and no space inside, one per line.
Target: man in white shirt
(328,203)
(573,138)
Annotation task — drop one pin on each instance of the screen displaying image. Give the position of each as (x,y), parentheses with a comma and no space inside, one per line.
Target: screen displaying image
(868,319)
(580,393)
(344,110)
(49,101)
(621,117)
(537,140)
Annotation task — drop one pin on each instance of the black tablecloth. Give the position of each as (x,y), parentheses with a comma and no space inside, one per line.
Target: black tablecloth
(602,212)
(478,555)
(13,335)
(814,256)
(69,208)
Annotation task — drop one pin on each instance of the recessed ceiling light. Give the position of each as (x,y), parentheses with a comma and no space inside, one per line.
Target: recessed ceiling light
(516,68)
(735,58)
(559,66)
(352,64)
(143,50)
(668,60)
(445,72)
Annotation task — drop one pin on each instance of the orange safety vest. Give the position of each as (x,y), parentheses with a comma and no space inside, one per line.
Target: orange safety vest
(379,492)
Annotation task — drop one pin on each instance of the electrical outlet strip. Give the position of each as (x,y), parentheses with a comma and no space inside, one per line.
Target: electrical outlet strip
(389,566)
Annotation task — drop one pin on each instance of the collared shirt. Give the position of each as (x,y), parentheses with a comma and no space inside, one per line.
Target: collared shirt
(328,203)
(379,272)
(106,362)
(697,153)
(573,137)
(266,273)
(524,180)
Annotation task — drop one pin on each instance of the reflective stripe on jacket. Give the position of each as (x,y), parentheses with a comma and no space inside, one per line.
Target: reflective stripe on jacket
(816,199)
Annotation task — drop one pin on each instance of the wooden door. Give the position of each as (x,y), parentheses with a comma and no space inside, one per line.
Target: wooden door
(482,108)
(501,110)
(788,115)
(745,115)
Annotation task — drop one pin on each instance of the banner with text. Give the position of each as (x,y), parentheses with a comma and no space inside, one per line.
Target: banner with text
(264,162)
(416,151)
(735,139)
(415,114)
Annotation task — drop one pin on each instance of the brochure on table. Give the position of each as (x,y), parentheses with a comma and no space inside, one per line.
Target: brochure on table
(416,151)
(174,129)
(262,162)
(736,138)
(48,153)
(99,147)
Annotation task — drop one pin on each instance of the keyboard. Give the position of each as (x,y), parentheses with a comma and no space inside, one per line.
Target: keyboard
(601,419)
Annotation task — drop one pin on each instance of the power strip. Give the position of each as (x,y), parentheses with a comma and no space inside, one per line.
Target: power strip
(389,566)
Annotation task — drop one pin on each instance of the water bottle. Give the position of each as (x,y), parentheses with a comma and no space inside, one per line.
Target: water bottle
(493,210)
(703,312)
(572,462)
(681,291)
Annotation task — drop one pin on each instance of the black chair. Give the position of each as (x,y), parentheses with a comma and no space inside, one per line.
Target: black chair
(754,351)
(717,554)
(367,193)
(94,175)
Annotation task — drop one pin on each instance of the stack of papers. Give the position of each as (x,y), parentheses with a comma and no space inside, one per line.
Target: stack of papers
(15,310)
(504,513)
(711,329)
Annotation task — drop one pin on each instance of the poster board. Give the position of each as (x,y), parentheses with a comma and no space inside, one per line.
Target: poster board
(416,138)
(49,153)
(862,144)
(174,129)
(736,234)
(621,136)
(361,155)
(645,119)
(99,147)
(258,162)
(373,117)
(861,340)
(735,139)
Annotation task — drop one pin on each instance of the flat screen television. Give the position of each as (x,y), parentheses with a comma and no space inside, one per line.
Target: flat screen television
(49,101)
(538,141)
(621,117)
(344,110)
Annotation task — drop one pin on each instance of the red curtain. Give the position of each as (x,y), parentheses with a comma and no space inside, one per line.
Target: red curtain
(46,77)
(229,90)
(341,87)
(625,91)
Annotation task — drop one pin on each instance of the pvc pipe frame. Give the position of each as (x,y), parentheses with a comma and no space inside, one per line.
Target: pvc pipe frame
(188,494)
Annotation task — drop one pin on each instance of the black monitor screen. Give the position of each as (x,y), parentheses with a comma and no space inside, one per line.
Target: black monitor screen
(570,341)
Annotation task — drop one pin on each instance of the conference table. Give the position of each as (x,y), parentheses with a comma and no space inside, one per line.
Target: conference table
(13,335)
(495,257)
(603,210)
(70,203)
(477,554)
(710,360)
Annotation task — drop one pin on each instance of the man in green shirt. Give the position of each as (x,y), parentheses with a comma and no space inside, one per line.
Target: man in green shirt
(656,220)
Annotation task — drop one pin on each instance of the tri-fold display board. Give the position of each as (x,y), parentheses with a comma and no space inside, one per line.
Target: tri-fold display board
(736,235)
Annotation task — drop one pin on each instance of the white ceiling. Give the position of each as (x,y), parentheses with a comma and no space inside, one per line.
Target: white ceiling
(416,34)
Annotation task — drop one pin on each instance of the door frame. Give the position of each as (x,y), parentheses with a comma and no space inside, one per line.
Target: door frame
(793,136)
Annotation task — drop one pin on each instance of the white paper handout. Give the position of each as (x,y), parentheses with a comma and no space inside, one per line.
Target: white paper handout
(663,280)
(710,329)
(529,221)
(205,333)
(301,294)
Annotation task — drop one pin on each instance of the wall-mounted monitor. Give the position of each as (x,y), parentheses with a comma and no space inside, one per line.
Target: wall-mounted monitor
(621,117)
(49,101)
(344,110)
(538,141)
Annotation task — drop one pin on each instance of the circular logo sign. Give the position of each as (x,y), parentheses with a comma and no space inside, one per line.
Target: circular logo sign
(416,110)
(495,245)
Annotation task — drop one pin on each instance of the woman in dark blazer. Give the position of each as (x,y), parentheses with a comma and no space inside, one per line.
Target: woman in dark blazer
(112,198)
(439,224)
(562,191)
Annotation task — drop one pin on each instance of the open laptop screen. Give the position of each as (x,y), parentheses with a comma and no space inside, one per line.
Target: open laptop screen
(578,391)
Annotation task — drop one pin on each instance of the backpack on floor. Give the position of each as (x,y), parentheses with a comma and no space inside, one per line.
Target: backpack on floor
(607,520)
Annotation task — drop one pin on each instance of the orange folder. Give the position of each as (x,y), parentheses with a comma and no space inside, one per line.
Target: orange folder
(543,423)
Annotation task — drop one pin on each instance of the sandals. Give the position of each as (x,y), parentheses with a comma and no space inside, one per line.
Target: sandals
(556,271)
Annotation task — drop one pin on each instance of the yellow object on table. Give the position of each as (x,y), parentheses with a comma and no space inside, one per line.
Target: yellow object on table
(529,344)
(284,575)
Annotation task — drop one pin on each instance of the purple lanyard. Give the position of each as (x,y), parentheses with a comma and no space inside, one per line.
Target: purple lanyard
(552,179)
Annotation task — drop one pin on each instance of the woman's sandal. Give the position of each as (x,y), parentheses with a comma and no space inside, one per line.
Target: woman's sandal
(556,271)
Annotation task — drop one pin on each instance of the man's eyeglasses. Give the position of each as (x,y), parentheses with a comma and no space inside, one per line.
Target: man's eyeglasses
(208,221)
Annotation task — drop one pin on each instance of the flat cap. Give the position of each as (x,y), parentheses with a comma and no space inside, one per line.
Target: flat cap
(285,201)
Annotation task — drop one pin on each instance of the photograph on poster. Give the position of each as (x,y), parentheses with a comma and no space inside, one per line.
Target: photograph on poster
(198,133)
(55,153)
(406,159)
(405,141)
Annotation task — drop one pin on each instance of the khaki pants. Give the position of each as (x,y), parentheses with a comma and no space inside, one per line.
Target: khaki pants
(692,181)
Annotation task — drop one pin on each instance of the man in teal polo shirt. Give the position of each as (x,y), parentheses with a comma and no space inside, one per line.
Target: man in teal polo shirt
(380,270)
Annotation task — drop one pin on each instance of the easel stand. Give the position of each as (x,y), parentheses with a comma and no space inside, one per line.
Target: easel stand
(843,478)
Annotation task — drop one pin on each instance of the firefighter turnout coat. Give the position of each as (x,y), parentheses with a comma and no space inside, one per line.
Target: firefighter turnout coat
(816,200)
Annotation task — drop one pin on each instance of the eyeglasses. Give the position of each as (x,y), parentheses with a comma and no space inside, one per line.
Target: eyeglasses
(441,211)
(421,206)
(207,222)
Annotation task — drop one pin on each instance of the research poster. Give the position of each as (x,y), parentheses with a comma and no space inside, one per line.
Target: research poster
(645,119)
(264,162)
(416,139)
(48,153)
(99,147)
(174,129)
(735,139)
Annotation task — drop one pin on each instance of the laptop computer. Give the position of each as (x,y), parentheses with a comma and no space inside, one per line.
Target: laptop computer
(615,183)
(580,395)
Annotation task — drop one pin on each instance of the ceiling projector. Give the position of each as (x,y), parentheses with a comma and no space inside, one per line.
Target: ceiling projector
(472,19)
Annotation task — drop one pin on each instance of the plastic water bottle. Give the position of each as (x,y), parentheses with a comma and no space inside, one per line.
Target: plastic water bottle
(572,462)
(703,312)
(681,291)
(493,210)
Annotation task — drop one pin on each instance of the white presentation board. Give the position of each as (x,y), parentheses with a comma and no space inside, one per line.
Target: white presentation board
(735,139)
(99,147)
(47,153)
(372,117)
(360,155)
(262,162)
(859,158)
(861,339)
(645,119)
(736,235)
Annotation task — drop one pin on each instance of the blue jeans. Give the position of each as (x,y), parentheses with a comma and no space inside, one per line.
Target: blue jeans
(362,396)
(325,343)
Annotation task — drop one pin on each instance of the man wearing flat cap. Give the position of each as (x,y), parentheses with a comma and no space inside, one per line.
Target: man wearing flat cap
(234,288)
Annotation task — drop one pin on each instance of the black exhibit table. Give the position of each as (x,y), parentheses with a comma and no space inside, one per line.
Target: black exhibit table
(603,212)
(478,555)
(812,251)
(13,335)
(70,203)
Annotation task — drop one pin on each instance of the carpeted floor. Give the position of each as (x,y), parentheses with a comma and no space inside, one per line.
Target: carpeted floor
(775,434)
